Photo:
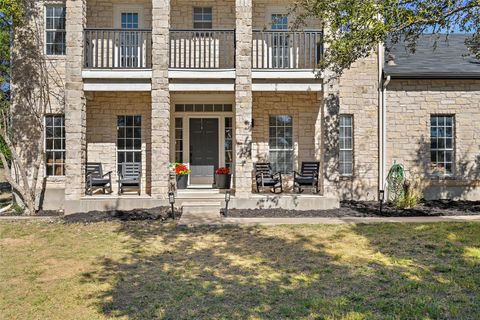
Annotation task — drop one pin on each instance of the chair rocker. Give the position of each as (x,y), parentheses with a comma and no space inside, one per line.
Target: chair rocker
(264,177)
(96,179)
(308,176)
(130,177)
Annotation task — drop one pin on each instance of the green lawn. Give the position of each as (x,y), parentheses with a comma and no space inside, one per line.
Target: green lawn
(149,270)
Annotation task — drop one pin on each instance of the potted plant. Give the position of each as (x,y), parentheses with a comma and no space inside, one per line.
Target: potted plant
(223,178)
(181,173)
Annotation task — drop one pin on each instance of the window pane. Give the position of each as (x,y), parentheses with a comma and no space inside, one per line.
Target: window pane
(281,143)
(129,142)
(441,143)
(54,145)
(346,145)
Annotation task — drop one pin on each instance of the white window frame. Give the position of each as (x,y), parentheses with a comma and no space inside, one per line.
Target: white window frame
(445,149)
(45,149)
(125,8)
(133,150)
(45,9)
(343,148)
(276,149)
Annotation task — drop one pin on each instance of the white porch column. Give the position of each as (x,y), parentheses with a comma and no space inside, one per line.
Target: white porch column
(75,105)
(243,98)
(160,147)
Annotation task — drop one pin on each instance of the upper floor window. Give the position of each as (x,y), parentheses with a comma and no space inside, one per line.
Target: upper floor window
(202,18)
(442,144)
(281,143)
(346,145)
(279,21)
(129,20)
(55,145)
(55,30)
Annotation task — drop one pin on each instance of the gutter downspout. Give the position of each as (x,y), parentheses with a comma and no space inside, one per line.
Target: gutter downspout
(382,120)
(381,162)
(385,81)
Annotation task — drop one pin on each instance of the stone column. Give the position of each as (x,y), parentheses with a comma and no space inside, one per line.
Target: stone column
(243,98)
(75,103)
(160,146)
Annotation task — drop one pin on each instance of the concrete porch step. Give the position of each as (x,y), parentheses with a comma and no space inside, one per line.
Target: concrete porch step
(200,195)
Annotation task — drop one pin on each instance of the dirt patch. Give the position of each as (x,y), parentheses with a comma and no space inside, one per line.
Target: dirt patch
(158,213)
(369,209)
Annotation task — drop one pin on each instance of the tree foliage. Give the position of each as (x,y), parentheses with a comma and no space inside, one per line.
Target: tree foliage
(11,14)
(357,26)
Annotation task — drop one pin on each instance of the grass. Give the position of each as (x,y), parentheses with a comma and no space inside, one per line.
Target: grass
(149,270)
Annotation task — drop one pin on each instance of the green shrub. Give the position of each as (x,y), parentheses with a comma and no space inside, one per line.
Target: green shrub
(410,196)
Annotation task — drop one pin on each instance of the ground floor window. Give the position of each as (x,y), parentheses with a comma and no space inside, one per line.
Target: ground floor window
(228,142)
(346,145)
(179,140)
(129,139)
(55,145)
(281,143)
(442,143)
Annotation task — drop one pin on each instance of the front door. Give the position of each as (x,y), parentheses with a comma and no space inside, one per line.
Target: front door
(203,150)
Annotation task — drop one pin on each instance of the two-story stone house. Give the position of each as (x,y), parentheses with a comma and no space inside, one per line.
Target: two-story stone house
(230,83)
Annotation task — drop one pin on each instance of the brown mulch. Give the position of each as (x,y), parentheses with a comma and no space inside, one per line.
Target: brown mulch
(158,213)
(369,209)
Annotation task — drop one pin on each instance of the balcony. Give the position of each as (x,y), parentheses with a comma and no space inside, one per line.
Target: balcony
(202,49)
(121,60)
(118,48)
(275,49)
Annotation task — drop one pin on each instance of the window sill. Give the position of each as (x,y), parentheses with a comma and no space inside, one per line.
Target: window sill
(439,176)
(56,57)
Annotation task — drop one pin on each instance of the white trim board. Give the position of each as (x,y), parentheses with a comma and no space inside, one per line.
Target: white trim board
(117,74)
(117,86)
(284,74)
(292,87)
(202,74)
(202,87)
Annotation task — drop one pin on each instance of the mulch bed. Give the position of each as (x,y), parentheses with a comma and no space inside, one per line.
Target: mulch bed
(369,209)
(158,213)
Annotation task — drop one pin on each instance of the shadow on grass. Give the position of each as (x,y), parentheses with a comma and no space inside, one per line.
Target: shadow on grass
(357,272)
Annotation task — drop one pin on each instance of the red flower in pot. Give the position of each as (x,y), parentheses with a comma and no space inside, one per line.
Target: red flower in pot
(223,178)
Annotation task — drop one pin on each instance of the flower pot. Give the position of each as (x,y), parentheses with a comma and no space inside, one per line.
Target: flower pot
(182,181)
(222,181)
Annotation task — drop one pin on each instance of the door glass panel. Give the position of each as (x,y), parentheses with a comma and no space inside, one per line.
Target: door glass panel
(280,47)
(129,40)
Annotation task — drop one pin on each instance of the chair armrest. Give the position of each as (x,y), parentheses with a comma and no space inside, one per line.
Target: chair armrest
(277,174)
(109,173)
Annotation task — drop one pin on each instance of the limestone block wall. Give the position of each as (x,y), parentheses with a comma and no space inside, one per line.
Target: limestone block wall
(262,9)
(27,81)
(357,96)
(410,103)
(223,13)
(101,13)
(305,110)
(102,111)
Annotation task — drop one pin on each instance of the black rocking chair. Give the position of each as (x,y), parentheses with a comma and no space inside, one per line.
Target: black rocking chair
(308,176)
(96,179)
(264,177)
(130,176)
